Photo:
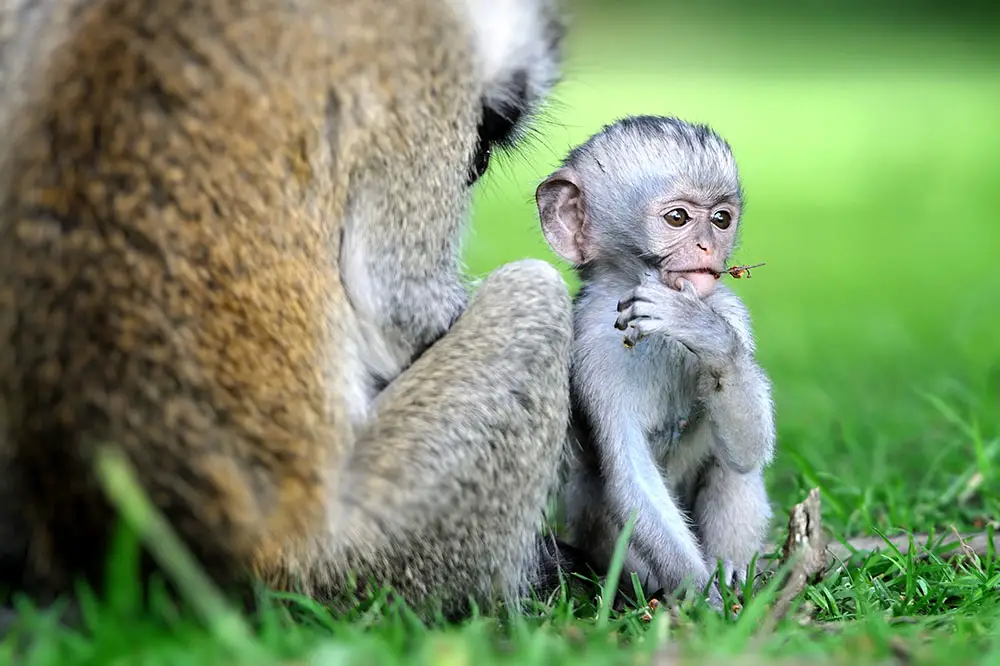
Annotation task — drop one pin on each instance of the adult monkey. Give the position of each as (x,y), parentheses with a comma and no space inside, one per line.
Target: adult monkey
(225,227)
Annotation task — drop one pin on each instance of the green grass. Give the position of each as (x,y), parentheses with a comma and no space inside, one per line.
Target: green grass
(871,159)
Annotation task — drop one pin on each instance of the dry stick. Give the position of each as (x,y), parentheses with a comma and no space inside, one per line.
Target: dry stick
(806,547)
(978,543)
(970,543)
(966,548)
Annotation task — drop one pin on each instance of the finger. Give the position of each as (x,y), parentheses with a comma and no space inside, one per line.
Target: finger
(728,573)
(714,598)
(633,335)
(642,309)
(638,310)
(687,288)
(626,315)
(635,295)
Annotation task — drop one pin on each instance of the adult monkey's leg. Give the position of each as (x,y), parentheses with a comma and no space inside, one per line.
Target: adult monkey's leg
(445,496)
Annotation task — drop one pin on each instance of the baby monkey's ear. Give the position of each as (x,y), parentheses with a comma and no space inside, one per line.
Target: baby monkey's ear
(562,211)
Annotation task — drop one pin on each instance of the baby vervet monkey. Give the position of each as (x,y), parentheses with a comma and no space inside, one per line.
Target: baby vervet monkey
(676,421)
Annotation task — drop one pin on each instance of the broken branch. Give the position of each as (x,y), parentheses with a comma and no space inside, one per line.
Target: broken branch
(805,548)
(946,546)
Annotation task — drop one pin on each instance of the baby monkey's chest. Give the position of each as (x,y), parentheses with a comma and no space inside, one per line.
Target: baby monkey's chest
(670,403)
(675,429)
(680,449)
(668,436)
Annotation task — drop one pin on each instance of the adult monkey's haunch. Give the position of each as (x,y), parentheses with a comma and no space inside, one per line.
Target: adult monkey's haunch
(225,227)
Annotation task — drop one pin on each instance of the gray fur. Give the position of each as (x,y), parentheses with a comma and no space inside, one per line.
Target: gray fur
(230,247)
(470,429)
(680,426)
(636,159)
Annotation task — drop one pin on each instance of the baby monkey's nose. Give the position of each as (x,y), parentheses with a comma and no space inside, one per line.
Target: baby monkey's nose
(704,248)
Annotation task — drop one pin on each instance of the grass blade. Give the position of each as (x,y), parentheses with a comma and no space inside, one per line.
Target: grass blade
(614,572)
(118,481)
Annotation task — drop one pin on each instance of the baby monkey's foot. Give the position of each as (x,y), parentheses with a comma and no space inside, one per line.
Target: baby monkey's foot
(713,597)
(734,576)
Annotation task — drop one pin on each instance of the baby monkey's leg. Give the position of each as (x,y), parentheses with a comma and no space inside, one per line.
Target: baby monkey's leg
(733,515)
(592,528)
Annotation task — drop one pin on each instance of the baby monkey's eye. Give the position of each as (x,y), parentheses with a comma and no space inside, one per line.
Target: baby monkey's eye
(677,217)
(722,219)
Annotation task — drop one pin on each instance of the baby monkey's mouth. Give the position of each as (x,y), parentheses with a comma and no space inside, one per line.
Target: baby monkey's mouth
(734,271)
(711,271)
(669,270)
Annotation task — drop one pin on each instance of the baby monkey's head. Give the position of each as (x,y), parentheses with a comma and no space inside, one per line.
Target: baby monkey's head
(646,192)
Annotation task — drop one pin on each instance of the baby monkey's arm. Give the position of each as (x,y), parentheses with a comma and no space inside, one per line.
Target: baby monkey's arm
(737,393)
(735,390)
(661,535)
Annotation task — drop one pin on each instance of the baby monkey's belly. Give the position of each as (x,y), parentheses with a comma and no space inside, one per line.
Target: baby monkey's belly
(681,448)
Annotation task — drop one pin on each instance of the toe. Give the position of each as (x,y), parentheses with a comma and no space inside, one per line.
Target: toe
(728,573)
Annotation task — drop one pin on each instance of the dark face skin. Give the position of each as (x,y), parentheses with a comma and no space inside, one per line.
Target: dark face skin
(688,231)
(646,190)
(693,235)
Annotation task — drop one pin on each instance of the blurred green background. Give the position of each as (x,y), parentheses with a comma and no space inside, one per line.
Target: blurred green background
(868,136)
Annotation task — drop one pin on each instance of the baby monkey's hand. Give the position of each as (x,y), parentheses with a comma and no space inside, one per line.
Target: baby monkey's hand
(653,308)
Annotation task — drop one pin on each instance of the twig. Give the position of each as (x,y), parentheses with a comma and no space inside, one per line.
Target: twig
(805,546)
(733,271)
(738,271)
(966,549)
(802,557)
(970,543)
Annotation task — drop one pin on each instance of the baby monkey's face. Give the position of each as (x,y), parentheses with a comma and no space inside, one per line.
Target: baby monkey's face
(646,189)
(692,237)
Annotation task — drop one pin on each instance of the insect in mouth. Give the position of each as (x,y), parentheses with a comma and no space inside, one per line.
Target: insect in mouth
(738,271)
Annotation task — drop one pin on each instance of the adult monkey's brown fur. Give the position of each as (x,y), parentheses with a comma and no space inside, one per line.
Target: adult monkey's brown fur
(225,225)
